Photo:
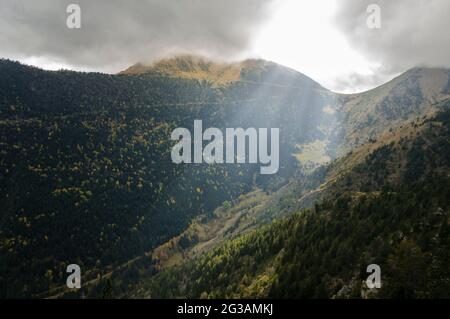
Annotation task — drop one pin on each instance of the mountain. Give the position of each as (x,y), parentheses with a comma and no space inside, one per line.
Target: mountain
(86,171)
(86,175)
(412,94)
(194,67)
(396,216)
(222,73)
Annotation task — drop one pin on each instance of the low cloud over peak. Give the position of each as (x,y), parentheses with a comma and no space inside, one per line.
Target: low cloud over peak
(116,33)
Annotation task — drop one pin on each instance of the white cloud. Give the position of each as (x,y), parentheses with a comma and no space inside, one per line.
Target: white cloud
(301,35)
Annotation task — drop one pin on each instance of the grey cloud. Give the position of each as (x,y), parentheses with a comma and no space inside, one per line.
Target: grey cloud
(121,32)
(355,82)
(413,32)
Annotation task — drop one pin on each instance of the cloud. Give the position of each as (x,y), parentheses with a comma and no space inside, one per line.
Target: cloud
(355,82)
(117,33)
(413,33)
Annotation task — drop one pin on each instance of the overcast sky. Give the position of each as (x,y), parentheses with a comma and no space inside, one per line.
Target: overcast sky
(328,40)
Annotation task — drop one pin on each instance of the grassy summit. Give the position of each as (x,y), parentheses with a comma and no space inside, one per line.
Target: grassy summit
(195,67)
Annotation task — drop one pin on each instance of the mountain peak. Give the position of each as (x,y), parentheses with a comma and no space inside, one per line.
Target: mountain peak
(221,73)
(195,67)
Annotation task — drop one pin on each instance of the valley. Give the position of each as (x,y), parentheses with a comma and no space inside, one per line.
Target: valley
(86,177)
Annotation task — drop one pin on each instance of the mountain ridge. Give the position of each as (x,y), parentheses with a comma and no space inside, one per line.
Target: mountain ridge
(141,68)
(218,73)
(85,164)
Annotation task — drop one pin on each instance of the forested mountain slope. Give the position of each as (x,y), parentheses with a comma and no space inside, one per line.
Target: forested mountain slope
(401,223)
(85,169)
